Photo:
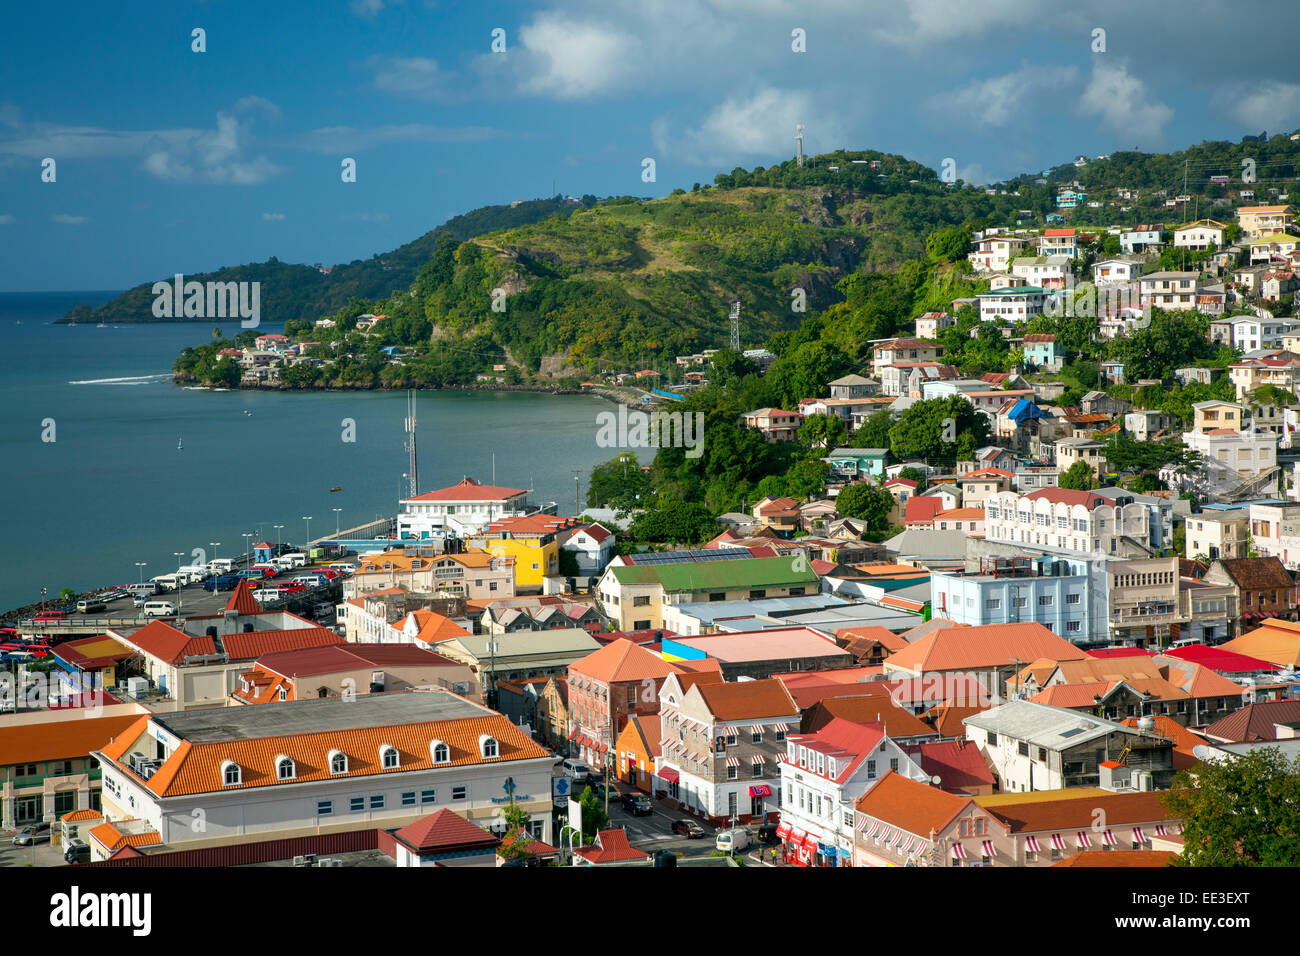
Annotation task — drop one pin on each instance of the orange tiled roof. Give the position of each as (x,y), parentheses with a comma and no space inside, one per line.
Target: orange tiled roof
(114,839)
(66,739)
(444,830)
(611,847)
(161,640)
(622,660)
(1079,812)
(196,767)
(745,700)
(987,645)
(75,815)
(915,807)
(242,600)
(436,627)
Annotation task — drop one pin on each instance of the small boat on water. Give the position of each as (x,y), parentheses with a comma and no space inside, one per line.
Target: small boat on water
(337,488)
(180,445)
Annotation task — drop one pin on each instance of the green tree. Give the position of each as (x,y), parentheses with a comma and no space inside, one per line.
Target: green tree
(594,817)
(806,478)
(874,431)
(915,474)
(821,431)
(1079,477)
(943,429)
(617,483)
(673,521)
(867,502)
(1241,812)
(948,245)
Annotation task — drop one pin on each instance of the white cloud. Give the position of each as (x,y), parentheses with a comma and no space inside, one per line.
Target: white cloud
(415,77)
(760,125)
(930,22)
(1123,104)
(273,217)
(570,59)
(1271,105)
(66,220)
(1003,100)
(218,155)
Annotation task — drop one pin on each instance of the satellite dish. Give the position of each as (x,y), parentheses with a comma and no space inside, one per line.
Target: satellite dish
(936,780)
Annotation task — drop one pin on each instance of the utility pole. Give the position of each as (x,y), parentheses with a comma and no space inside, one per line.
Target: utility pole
(577,493)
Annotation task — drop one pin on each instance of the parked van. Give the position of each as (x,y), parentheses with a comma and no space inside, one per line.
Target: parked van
(729,840)
(311,580)
(168,582)
(158,609)
(344,566)
(191,573)
(262,595)
(220,565)
(295,560)
(144,587)
(91,606)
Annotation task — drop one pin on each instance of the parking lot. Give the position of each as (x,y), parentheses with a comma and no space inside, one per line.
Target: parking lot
(42,854)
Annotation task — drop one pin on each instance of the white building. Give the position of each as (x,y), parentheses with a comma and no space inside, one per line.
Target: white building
(273,771)
(459,511)
(1013,304)
(823,774)
(1064,519)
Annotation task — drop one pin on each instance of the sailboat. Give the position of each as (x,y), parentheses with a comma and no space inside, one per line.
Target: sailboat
(180,445)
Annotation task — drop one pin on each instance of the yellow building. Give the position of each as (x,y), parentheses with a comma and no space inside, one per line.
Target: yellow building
(530,540)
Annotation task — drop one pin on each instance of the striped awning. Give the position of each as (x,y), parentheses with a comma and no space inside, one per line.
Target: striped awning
(1160,830)
(958,852)
(1058,842)
(1108,838)
(885,835)
(862,824)
(921,847)
(1138,835)
(781,728)
(731,731)
(871,830)
(900,838)
(989,851)
(1084,841)
(733,761)
(1031,844)
(757,758)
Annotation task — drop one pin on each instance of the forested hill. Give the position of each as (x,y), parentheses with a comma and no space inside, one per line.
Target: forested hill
(294,291)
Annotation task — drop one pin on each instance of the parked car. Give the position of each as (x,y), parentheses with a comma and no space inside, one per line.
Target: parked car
(48,616)
(222,582)
(576,770)
(159,609)
(729,840)
(291,588)
(91,606)
(33,833)
(76,851)
(115,594)
(637,804)
(688,828)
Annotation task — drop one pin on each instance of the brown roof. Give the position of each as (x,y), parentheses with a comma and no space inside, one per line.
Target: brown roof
(1275,641)
(1255,721)
(949,719)
(611,846)
(986,645)
(1035,816)
(957,764)
(620,661)
(443,831)
(747,699)
(1119,858)
(917,808)
(242,600)
(1255,573)
(864,709)
(66,739)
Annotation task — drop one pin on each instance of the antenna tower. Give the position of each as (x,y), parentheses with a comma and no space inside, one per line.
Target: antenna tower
(798,142)
(410,442)
(735,326)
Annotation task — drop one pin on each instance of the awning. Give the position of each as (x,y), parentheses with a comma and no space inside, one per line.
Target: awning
(1138,835)
(1031,844)
(989,851)
(907,846)
(575,736)
(1160,830)
(783,831)
(733,761)
(1058,842)
(885,835)
(871,830)
(761,790)
(921,848)
(958,852)
(731,731)
(900,838)
(669,774)
(781,728)
(758,758)
(1108,838)
(862,824)
(1084,842)
(795,835)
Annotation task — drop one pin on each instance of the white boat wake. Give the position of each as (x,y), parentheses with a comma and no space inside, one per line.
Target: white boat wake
(125,380)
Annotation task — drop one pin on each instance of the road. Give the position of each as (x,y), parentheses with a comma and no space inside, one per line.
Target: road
(652,833)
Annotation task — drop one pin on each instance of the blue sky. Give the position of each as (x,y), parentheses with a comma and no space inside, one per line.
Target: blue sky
(171,161)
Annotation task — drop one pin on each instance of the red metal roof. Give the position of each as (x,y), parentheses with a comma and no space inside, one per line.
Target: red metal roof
(467,489)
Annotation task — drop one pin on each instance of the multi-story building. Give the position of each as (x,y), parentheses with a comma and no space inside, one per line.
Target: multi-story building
(906,378)
(929,325)
(994,253)
(350,670)
(607,687)
(823,775)
(1043,272)
(1199,235)
(474,575)
(1168,290)
(1036,747)
(1281,370)
(1215,534)
(1264,589)
(1274,530)
(1117,271)
(461,510)
(1065,519)
(525,655)
(1014,304)
(308,767)
(1237,461)
(1140,239)
(776,424)
(529,540)
(897,351)
(1046,590)
(721,745)
(1059,242)
(1256,221)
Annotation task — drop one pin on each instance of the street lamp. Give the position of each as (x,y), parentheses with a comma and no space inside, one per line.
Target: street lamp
(336,521)
(279,538)
(307,518)
(248,551)
(214,545)
(141,566)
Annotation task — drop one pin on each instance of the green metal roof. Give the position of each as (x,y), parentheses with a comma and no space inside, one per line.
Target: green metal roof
(720,575)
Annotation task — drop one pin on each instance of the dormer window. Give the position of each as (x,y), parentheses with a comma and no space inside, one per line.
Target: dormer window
(284,693)
(231,775)
(489,747)
(284,769)
(338,762)
(388,757)
(441,752)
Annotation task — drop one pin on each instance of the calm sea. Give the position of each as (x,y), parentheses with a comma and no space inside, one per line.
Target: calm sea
(113,488)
